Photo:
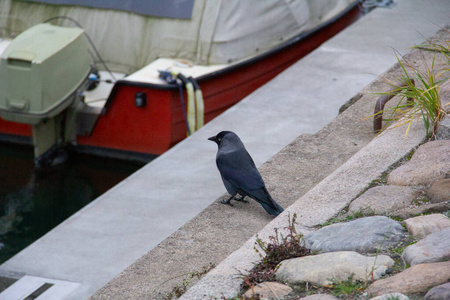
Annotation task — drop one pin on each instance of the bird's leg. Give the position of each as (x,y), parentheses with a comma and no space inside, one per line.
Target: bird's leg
(227,201)
(240,199)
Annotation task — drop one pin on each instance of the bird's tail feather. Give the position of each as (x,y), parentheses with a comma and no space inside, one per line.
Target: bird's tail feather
(272,210)
(271,206)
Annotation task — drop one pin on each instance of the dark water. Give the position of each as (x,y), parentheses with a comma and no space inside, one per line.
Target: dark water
(33,203)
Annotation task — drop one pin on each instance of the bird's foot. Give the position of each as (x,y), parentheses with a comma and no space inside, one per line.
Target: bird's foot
(228,202)
(241,199)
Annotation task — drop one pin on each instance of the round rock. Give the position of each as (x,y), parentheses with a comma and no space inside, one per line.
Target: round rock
(422,226)
(430,163)
(435,247)
(319,297)
(440,292)
(391,296)
(443,131)
(422,209)
(384,199)
(417,279)
(268,290)
(439,191)
(321,269)
(364,235)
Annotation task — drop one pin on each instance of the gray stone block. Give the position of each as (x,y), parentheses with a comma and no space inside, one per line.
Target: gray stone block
(364,235)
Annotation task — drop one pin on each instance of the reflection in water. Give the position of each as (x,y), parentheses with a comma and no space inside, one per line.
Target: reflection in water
(33,203)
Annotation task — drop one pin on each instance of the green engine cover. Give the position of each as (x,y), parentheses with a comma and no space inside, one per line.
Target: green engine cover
(40,71)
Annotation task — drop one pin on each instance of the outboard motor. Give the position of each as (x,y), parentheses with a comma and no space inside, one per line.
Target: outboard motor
(43,73)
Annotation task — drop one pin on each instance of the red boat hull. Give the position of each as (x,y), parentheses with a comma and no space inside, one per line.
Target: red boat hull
(153,129)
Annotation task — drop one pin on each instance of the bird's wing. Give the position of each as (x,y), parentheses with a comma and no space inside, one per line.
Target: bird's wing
(239,173)
(238,168)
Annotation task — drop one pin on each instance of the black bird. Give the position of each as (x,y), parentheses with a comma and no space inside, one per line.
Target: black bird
(239,173)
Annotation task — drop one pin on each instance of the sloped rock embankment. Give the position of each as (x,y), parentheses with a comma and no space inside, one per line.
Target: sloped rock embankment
(409,221)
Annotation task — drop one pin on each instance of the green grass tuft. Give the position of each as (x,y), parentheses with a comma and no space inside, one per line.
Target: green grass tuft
(426,103)
(347,288)
(423,88)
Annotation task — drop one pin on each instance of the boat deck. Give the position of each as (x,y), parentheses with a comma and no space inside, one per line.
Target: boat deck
(150,74)
(96,244)
(98,96)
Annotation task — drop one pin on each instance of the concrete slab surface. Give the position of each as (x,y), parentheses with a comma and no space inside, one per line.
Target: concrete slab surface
(121,226)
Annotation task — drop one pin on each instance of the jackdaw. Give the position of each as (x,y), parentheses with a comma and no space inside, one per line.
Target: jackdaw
(239,173)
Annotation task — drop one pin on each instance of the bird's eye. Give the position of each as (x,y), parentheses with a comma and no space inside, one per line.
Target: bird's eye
(219,139)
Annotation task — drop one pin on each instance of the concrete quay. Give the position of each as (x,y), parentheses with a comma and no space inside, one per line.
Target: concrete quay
(165,220)
(315,176)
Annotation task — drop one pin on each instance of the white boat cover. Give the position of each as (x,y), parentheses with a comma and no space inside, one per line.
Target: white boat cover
(218,32)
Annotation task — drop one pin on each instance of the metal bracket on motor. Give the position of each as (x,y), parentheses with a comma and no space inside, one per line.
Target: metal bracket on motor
(52,157)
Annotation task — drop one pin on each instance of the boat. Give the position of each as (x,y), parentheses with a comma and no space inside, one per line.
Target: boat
(130,79)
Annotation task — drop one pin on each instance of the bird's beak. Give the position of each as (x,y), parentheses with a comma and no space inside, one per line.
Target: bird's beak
(213,138)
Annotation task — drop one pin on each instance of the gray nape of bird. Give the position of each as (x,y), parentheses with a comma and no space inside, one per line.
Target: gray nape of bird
(239,173)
